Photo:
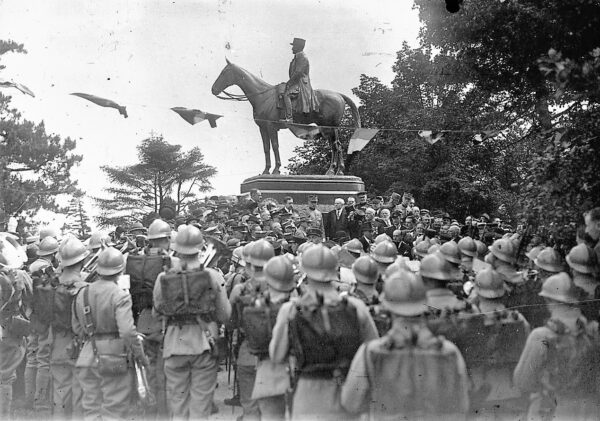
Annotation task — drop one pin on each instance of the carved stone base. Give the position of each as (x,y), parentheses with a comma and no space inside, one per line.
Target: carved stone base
(326,187)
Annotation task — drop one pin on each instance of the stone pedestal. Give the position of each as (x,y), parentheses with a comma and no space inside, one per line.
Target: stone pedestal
(327,187)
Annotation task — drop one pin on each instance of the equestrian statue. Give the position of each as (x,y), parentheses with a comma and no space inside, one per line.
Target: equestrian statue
(289,105)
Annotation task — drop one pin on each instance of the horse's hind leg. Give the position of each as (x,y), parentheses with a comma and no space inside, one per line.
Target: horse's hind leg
(339,161)
(264,133)
(273,134)
(330,135)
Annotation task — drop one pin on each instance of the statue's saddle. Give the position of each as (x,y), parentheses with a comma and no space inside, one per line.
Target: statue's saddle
(280,93)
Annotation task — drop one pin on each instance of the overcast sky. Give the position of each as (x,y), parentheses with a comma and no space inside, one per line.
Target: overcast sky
(154,55)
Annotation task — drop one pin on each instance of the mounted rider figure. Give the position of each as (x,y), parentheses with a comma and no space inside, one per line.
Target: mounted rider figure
(299,86)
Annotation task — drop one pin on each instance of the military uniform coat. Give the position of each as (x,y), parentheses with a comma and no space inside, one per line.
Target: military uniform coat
(191,339)
(531,371)
(111,314)
(359,391)
(316,399)
(300,83)
(62,344)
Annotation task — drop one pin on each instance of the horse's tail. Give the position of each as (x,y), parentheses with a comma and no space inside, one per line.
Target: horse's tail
(354,109)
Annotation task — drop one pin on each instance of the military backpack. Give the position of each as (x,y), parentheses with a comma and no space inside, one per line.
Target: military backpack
(187,293)
(412,378)
(258,321)
(143,271)
(324,337)
(53,301)
(573,359)
(381,317)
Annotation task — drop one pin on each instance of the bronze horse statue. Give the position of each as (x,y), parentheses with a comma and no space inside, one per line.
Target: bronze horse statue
(264,100)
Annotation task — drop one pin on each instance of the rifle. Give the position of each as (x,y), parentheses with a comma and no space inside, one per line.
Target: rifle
(228,358)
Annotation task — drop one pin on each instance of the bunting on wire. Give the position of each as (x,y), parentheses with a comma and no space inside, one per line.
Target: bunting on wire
(10,84)
(360,138)
(484,135)
(103,102)
(430,136)
(196,116)
(304,131)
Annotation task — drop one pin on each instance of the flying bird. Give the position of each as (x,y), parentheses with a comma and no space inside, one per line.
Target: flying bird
(22,88)
(103,102)
(196,116)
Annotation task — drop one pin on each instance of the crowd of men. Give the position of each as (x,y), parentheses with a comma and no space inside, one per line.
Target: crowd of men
(376,309)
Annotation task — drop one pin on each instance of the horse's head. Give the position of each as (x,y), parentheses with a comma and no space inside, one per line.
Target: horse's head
(225,80)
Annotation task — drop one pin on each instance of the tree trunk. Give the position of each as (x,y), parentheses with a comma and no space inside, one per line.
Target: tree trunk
(541,108)
(178,195)
(160,193)
(156,208)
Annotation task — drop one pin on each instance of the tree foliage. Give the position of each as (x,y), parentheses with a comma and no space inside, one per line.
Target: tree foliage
(164,175)
(563,180)
(77,221)
(34,165)
(514,85)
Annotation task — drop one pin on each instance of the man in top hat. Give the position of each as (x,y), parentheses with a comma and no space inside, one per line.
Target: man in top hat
(299,84)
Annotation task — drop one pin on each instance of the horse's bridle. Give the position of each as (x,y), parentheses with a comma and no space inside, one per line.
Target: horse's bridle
(241,97)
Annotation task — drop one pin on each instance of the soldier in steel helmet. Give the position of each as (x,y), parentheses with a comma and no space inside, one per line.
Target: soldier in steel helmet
(37,369)
(384,254)
(366,273)
(102,314)
(244,295)
(386,372)
(65,344)
(592,230)
(437,273)
(159,244)
(13,330)
(525,290)
(497,349)
(584,268)
(558,368)
(237,273)
(272,379)
(189,346)
(319,369)
(190,334)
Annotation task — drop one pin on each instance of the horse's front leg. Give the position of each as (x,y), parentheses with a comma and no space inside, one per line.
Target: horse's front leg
(275,145)
(264,133)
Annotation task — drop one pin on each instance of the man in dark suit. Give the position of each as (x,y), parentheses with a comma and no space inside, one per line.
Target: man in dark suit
(336,220)
(366,238)
(396,219)
(288,207)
